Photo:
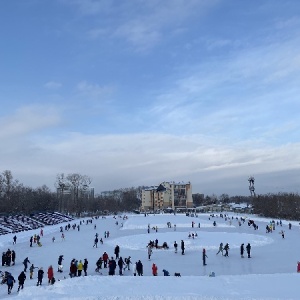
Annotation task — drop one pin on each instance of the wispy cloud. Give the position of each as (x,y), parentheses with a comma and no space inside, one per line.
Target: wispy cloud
(236,93)
(148,29)
(96,33)
(143,159)
(90,7)
(52,85)
(94,91)
(143,24)
(27,120)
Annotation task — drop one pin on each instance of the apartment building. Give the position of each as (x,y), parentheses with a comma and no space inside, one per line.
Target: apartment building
(167,195)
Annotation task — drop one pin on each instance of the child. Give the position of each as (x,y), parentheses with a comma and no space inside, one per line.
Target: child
(31,270)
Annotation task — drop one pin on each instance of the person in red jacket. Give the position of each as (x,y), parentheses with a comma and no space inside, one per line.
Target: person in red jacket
(105,259)
(154,270)
(50,274)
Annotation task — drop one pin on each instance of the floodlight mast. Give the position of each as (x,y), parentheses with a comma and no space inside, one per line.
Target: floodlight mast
(251,186)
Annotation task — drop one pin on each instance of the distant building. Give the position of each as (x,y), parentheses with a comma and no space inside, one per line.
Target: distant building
(167,195)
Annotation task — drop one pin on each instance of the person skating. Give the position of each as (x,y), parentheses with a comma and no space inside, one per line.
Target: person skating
(175,246)
(105,259)
(154,269)
(112,266)
(21,279)
(96,242)
(121,264)
(31,270)
(59,262)
(25,263)
(248,248)
(182,247)
(14,240)
(226,248)
(149,252)
(220,249)
(73,269)
(3,259)
(204,256)
(85,266)
(50,274)
(8,257)
(117,251)
(139,268)
(99,264)
(127,263)
(242,250)
(13,257)
(135,269)
(40,276)
(79,268)
(10,280)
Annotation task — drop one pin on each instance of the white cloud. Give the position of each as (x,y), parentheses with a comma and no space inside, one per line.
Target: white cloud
(142,35)
(115,161)
(94,91)
(96,33)
(89,7)
(52,85)
(142,23)
(28,119)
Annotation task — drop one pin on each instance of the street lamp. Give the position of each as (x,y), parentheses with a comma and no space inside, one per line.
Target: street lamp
(62,187)
(251,186)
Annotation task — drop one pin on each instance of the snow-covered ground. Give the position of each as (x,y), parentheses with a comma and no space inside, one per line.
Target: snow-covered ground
(269,274)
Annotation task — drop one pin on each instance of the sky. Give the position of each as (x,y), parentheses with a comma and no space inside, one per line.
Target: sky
(134,93)
(270,273)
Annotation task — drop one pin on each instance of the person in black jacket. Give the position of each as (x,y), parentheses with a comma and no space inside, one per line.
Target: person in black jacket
(85,266)
(25,263)
(248,248)
(121,264)
(8,257)
(204,256)
(117,251)
(112,266)
(139,268)
(242,250)
(226,248)
(175,246)
(10,280)
(182,247)
(21,279)
(40,276)
(3,259)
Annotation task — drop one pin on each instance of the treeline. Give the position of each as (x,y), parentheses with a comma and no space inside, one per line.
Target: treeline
(280,206)
(72,195)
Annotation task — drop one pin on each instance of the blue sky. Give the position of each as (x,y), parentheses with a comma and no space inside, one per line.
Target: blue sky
(138,92)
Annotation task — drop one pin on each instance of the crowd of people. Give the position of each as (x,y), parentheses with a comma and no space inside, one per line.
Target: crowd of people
(115,264)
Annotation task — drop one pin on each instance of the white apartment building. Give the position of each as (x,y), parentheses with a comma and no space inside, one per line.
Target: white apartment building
(167,195)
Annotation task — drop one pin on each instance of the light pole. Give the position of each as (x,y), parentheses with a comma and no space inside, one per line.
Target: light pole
(62,187)
(251,186)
